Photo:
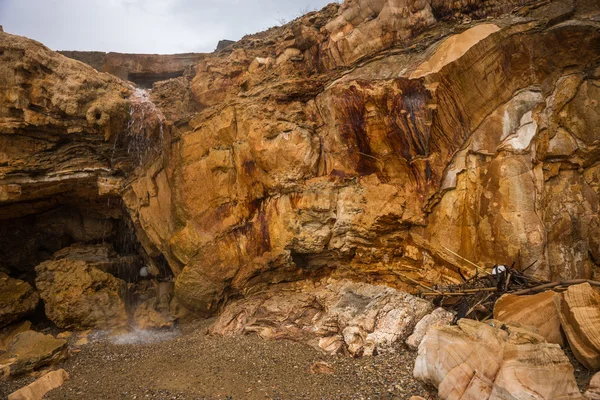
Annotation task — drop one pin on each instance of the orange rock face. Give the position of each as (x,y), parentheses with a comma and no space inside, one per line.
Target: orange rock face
(361,141)
(537,312)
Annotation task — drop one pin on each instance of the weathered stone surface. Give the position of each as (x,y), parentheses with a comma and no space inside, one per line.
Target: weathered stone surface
(364,139)
(29,351)
(77,295)
(149,315)
(476,360)
(38,389)
(579,313)
(9,332)
(335,316)
(593,392)
(439,317)
(17,299)
(374,171)
(537,312)
(453,48)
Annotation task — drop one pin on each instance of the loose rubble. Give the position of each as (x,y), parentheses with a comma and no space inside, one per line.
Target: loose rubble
(335,316)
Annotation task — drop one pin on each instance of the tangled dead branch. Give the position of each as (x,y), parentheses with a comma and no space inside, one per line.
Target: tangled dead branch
(475,297)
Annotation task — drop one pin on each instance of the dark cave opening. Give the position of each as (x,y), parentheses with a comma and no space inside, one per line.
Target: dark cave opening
(98,232)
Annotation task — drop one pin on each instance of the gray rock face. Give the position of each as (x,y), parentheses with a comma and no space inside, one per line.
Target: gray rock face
(223,44)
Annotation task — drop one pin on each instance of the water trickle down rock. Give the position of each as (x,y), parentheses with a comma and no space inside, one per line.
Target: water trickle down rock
(144,136)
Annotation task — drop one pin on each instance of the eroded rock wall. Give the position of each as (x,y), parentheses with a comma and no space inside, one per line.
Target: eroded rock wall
(471,141)
(365,141)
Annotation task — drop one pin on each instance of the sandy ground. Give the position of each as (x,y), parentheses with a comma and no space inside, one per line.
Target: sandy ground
(190,364)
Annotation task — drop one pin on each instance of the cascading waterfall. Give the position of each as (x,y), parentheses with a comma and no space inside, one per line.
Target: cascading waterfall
(145,129)
(144,136)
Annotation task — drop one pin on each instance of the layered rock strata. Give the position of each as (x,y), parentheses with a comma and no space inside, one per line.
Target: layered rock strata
(370,141)
(29,351)
(453,140)
(579,313)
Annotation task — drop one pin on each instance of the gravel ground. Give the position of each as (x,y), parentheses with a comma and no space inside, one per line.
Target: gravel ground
(194,365)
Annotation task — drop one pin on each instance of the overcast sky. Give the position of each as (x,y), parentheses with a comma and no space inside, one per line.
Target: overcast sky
(145,26)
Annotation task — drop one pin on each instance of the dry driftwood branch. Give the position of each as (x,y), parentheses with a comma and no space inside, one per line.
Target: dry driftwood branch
(478,303)
(477,267)
(417,283)
(466,292)
(555,284)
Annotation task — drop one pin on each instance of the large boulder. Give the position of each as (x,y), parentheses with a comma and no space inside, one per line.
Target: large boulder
(17,299)
(477,360)
(9,332)
(579,313)
(29,351)
(537,311)
(77,295)
(333,316)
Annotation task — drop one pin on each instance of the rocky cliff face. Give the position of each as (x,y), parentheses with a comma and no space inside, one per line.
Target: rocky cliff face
(368,141)
(142,69)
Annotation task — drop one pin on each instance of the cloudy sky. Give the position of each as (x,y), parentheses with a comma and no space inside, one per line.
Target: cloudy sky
(145,26)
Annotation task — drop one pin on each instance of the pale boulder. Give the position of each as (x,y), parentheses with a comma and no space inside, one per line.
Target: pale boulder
(439,317)
(38,389)
(333,316)
(477,360)
(593,391)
